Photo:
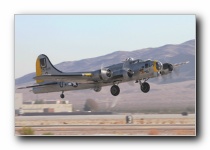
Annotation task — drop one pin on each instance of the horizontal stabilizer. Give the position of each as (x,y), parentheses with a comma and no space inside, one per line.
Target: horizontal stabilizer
(73,77)
(38,85)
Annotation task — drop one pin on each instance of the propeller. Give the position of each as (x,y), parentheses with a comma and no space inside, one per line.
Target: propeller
(128,73)
(172,69)
(168,66)
(106,73)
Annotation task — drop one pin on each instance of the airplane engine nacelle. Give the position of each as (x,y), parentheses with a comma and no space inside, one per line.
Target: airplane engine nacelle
(128,74)
(167,68)
(106,73)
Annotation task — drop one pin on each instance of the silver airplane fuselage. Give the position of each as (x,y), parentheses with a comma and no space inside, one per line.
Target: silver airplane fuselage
(130,70)
(50,79)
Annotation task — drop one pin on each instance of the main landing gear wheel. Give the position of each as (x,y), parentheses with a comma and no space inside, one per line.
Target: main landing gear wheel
(145,87)
(62,95)
(115,90)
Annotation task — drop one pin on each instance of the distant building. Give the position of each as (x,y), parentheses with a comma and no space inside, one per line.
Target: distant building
(49,102)
(47,106)
(32,108)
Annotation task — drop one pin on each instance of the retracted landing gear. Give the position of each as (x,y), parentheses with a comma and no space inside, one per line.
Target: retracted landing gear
(115,90)
(62,95)
(97,89)
(145,87)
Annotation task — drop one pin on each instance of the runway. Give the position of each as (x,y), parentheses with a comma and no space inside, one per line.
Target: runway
(109,125)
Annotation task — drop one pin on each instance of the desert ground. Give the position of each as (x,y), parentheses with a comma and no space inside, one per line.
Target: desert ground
(109,125)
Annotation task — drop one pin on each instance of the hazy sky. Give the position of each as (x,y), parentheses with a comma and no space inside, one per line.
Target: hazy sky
(75,37)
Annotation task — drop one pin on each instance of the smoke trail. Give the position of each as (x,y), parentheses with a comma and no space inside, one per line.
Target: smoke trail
(114,103)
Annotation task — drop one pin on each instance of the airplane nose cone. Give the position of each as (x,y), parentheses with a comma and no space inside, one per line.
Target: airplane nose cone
(159,65)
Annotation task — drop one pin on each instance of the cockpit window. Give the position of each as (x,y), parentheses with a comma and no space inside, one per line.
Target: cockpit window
(129,59)
(146,65)
(135,61)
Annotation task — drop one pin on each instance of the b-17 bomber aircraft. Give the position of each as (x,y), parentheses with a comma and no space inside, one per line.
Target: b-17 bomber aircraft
(49,79)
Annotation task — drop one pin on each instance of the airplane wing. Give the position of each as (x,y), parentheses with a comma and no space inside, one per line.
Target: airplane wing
(180,64)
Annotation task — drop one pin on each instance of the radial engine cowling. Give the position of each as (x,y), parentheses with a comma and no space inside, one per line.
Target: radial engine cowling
(106,73)
(167,68)
(128,74)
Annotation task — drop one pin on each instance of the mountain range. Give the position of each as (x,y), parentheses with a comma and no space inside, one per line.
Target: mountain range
(167,53)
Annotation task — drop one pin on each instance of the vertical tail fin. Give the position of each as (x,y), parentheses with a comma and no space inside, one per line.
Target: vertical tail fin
(45,67)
